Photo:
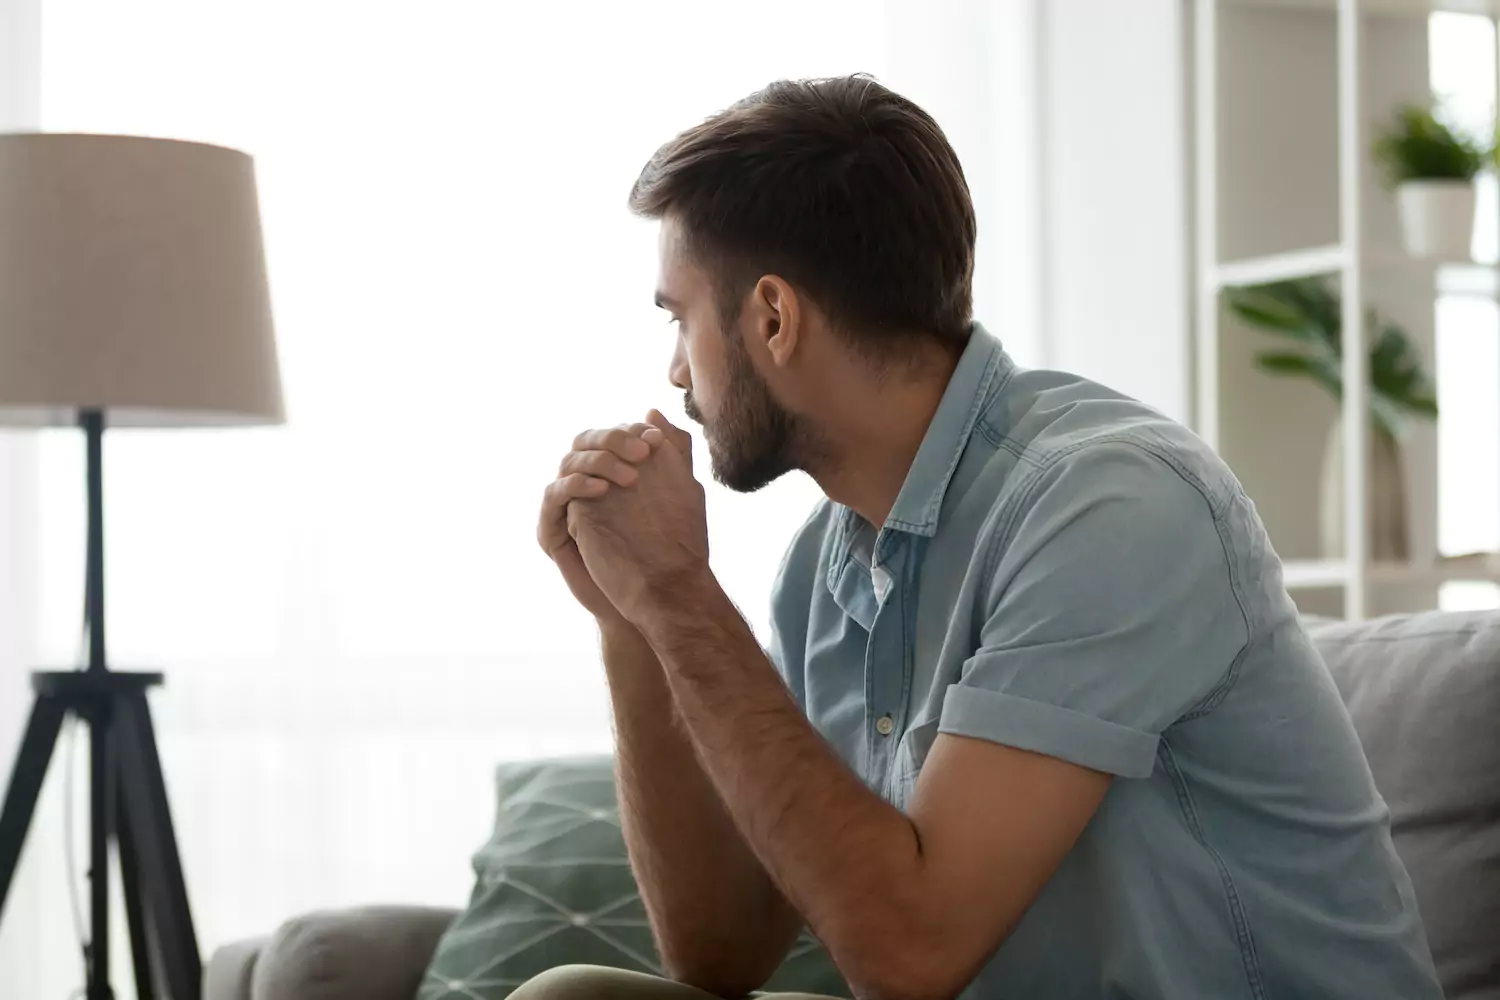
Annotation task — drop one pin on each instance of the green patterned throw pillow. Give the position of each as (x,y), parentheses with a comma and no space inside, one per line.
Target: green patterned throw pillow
(555,888)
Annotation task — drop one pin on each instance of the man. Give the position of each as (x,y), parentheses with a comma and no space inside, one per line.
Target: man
(1038,719)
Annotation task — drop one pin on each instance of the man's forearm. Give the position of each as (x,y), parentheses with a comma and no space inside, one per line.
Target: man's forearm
(720,921)
(844,857)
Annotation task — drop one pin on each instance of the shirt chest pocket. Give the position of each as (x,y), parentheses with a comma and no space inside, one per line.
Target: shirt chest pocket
(906,766)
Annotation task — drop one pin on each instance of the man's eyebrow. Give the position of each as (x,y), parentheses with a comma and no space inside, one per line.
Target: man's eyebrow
(665,301)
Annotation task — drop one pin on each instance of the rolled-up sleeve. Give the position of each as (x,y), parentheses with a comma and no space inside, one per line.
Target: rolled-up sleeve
(1113,614)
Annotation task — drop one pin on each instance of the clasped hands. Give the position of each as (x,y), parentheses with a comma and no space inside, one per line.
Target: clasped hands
(625,521)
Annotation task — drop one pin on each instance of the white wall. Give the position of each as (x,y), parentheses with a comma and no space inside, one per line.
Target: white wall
(1083,243)
(1115,184)
(972,64)
(20,23)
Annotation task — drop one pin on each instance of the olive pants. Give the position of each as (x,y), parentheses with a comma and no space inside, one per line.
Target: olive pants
(589,982)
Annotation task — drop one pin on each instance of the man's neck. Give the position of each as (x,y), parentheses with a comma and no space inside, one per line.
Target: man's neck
(874,441)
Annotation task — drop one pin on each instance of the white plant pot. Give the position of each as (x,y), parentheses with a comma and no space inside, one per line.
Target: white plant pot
(1437,218)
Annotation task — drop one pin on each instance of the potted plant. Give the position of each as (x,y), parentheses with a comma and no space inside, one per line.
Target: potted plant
(1432,168)
(1306,312)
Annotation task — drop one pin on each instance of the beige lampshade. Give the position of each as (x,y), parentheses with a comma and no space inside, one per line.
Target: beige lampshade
(132,280)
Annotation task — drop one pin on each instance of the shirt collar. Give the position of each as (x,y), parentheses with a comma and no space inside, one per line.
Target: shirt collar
(982,366)
(921,497)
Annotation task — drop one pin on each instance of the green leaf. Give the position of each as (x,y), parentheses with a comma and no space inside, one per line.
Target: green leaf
(1418,145)
(1309,311)
(1397,373)
(1385,414)
(1302,310)
(1423,407)
(1286,364)
(1263,308)
(1320,370)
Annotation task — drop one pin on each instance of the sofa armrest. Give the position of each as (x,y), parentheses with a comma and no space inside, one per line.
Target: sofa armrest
(369,953)
(231,971)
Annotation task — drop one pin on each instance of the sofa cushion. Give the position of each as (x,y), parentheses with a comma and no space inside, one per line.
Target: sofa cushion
(370,952)
(555,888)
(1424,693)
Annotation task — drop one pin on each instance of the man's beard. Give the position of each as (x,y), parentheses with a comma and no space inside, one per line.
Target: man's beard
(753,440)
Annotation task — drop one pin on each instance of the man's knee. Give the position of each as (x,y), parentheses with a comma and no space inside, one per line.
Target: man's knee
(592,982)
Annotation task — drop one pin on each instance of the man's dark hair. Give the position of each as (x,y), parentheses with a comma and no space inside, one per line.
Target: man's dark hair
(844,188)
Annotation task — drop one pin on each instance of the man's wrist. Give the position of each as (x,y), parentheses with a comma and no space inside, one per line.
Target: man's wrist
(616,630)
(687,610)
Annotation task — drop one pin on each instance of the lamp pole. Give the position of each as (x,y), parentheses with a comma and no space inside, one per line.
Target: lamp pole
(100,807)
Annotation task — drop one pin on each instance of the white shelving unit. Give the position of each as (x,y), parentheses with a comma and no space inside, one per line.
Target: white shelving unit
(1351,259)
(1311,574)
(1410,7)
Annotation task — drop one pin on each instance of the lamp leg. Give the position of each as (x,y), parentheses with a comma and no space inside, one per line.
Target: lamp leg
(130,878)
(155,848)
(129,798)
(100,815)
(26,779)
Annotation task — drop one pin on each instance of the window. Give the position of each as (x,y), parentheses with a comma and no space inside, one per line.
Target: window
(1468,327)
(352,612)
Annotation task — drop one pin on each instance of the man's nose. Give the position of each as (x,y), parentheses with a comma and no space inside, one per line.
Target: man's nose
(678,372)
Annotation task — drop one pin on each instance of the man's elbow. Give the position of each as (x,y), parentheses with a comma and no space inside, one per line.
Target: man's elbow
(908,964)
(721,971)
(907,980)
(720,979)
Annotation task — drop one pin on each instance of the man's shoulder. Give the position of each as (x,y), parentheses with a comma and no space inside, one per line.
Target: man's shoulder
(1054,432)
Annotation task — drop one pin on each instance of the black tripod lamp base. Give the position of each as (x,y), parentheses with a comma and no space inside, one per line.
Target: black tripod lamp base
(129,807)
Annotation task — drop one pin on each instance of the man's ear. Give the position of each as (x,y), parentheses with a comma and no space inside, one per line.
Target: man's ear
(776,318)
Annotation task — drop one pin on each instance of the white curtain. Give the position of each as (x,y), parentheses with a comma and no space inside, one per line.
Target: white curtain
(352,612)
(1462,57)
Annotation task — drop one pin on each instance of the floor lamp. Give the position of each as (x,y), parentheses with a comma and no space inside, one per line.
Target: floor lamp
(132,294)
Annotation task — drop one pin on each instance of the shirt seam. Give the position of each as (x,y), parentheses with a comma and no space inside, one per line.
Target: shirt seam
(1254,978)
(1219,691)
(1226,681)
(1039,470)
(1000,440)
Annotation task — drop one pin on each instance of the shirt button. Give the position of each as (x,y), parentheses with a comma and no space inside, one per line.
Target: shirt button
(884,726)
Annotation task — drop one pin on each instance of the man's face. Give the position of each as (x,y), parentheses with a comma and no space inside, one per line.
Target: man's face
(751,436)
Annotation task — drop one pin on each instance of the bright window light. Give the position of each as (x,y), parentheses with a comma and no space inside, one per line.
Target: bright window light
(1462,60)
(352,611)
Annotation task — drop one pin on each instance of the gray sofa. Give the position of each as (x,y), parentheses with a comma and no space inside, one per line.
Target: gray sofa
(1424,692)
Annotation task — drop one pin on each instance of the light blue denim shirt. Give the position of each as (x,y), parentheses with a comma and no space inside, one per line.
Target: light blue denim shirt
(1069,572)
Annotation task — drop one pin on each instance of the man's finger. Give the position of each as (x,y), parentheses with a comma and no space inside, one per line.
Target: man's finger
(622,441)
(651,435)
(553,529)
(574,486)
(656,418)
(601,465)
(681,439)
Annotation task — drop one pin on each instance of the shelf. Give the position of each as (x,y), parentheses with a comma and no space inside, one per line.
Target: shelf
(1362,262)
(1278,267)
(1314,574)
(1450,277)
(1310,574)
(1481,280)
(1389,8)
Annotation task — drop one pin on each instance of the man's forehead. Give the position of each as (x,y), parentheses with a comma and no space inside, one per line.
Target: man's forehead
(671,243)
(677,274)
